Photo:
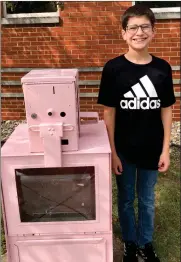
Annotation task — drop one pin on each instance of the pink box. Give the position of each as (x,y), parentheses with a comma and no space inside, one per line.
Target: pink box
(23,188)
(57,204)
(52,96)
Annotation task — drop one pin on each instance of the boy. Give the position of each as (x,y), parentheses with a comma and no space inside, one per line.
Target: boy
(137,93)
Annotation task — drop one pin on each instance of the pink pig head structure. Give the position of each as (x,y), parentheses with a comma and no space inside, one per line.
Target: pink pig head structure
(56,176)
(52,110)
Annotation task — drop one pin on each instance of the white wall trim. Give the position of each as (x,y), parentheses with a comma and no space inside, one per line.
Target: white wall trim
(4,9)
(167,15)
(166,10)
(81,82)
(177,94)
(47,14)
(30,20)
(81,69)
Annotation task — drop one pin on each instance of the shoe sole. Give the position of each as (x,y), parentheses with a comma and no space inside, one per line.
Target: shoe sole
(139,259)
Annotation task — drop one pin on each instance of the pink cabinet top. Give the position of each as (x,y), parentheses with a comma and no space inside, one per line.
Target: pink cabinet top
(93,139)
(50,76)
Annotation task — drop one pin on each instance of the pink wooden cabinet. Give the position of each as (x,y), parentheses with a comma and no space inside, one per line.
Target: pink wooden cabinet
(57,201)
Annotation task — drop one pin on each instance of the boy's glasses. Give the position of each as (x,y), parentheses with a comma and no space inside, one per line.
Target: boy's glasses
(133,29)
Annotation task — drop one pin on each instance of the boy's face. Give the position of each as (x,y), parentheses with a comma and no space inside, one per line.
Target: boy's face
(138,38)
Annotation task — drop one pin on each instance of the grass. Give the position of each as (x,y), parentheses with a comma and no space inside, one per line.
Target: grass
(167,217)
(167,221)
(3,241)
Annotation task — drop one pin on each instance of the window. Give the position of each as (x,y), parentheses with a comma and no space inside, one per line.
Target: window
(31,12)
(164,9)
(18,7)
(161,4)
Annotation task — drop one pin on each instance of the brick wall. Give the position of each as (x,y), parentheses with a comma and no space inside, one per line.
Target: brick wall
(88,35)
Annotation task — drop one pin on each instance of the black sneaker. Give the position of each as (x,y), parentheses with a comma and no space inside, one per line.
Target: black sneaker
(130,252)
(148,253)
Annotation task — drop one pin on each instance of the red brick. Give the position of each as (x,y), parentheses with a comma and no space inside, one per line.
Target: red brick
(172,25)
(176,118)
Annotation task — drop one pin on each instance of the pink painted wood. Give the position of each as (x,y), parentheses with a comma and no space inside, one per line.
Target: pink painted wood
(94,150)
(62,248)
(51,135)
(52,110)
(52,91)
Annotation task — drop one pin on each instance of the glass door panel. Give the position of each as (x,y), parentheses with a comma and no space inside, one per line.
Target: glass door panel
(56,194)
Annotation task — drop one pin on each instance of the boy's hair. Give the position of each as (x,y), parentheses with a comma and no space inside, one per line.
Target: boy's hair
(137,10)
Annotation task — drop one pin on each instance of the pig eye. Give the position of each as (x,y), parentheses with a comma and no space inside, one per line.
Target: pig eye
(50,113)
(34,115)
(62,114)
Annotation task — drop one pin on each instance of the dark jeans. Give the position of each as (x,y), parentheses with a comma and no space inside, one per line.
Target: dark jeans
(142,232)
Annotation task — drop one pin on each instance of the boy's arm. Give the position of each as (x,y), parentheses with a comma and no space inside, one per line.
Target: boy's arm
(166,116)
(109,119)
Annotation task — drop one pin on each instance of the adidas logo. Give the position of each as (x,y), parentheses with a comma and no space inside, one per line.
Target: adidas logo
(141,96)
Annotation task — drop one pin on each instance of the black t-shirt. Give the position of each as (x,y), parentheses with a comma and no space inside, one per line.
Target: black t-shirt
(138,91)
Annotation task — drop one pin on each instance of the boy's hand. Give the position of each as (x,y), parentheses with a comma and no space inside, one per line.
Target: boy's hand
(164,162)
(116,164)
